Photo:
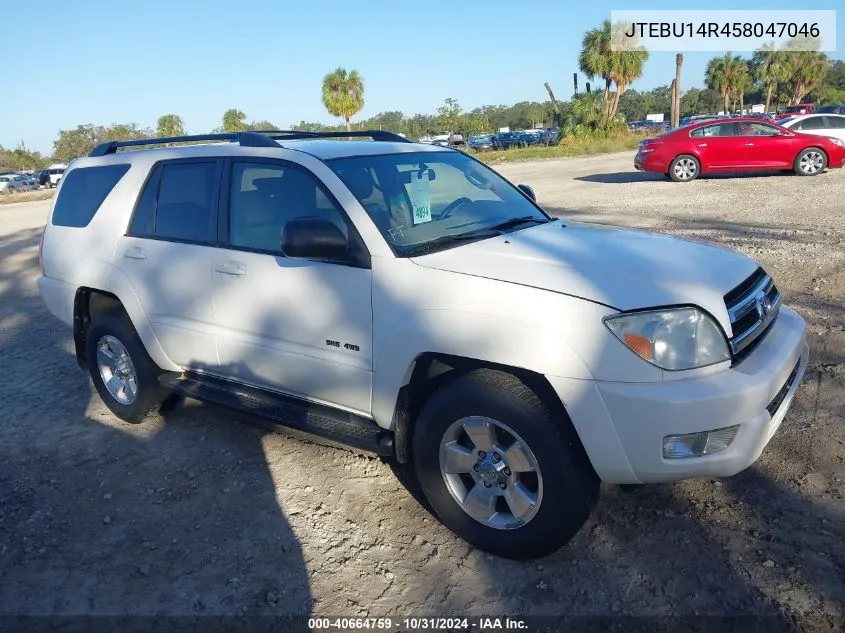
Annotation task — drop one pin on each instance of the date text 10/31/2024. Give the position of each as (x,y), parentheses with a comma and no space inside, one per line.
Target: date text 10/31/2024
(418,624)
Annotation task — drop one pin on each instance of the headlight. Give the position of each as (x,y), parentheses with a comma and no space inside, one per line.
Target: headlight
(674,339)
(838,141)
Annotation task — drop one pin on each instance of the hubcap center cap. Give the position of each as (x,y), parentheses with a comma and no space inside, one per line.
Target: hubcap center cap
(491,472)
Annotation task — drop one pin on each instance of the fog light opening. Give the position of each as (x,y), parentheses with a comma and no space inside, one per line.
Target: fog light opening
(698,444)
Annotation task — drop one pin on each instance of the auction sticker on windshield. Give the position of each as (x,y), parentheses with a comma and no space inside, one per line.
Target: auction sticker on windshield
(420,198)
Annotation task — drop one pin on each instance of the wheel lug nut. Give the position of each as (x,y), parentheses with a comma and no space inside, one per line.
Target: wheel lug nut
(502,485)
(486,485)
(475,467)
(496,456)
(507,471)
(482,454)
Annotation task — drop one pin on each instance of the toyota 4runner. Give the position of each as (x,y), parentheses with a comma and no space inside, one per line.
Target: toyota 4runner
(407,300)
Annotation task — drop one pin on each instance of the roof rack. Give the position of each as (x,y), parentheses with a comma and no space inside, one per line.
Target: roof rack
(250,138)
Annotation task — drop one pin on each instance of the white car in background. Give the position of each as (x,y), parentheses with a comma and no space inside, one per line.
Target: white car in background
(832,125)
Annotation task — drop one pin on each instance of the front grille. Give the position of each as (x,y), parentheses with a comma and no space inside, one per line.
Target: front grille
(774,405)
(753,307)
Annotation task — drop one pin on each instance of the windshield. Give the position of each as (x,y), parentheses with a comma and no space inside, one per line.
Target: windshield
(424,202)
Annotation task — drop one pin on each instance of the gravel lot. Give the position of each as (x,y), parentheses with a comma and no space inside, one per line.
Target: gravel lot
(201,511)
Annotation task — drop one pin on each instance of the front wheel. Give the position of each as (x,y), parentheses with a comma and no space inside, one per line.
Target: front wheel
(501,468)
(810,162)
(684,168)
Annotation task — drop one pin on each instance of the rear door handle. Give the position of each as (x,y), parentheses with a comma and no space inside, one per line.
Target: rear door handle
(702,144)
(136,252)
(232,268)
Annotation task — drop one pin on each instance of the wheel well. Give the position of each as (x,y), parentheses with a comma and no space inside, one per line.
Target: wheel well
(433,370)
(87,303)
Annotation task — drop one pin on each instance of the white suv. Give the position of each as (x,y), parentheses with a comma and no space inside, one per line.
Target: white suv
(405,299)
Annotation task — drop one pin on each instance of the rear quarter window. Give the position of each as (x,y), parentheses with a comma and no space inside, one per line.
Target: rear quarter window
(82,193)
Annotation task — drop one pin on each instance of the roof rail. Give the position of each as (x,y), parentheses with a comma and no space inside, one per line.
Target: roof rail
(251,138)
(245,139)
(376,135)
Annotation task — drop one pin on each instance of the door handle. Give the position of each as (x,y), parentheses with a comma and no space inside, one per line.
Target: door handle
(749,144)
(702,144)
(135,252)
(232,268)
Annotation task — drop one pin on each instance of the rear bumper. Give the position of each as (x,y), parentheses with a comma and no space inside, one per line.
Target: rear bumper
(58,297)
(649,162)
(622,425)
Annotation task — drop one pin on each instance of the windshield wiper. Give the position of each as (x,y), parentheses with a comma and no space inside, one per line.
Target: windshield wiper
(509,224)
(448,240)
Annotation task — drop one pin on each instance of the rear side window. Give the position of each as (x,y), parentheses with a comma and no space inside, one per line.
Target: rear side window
(813,123)
(835,122)
(82,193)
(179,202)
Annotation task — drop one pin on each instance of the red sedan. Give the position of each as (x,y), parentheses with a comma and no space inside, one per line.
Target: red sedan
(732,145)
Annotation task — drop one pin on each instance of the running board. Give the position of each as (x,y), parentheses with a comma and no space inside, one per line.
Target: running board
(294,413)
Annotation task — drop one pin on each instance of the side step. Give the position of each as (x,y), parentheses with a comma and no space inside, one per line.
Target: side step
(333,424)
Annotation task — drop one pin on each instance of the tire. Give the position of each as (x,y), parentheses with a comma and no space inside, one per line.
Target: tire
(810,162)
(685,168)
(563,486)
(112,332)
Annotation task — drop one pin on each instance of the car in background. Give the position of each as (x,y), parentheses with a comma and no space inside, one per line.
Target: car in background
(825,124)
(506,140)
(734,145)
(550,136)
(43,178)
(481,142)
(795,110)
(15,183)
(31,180)
(55,175)
(530,137)
(831,109)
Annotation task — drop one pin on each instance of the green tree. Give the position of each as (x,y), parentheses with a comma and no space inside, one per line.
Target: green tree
(343,94)
(234,120)
(768,70)
(449,115)
(170,125)
(620,67)
(804,71)
(594,58)
(83,138)
(718,77)
(261,125)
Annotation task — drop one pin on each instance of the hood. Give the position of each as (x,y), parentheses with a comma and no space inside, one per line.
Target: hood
(621,268)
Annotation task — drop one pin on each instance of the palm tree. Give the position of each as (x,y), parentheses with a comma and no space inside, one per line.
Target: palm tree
(625,67)
(622,67)
(233,120)
(676,95)
(594,59)
(343,94)
(741,80)
(768,69)
(719,77)
(170,125)
(805,71)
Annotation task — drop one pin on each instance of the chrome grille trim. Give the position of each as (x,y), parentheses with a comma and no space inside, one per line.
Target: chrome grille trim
(763,301)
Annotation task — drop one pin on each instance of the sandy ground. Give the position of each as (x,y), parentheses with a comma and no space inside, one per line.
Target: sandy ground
(203,512)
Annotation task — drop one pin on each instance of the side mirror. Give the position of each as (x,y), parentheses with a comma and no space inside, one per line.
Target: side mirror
(528,191)
(314,238)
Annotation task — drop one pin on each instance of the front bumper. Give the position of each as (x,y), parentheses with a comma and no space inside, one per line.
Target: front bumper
(622,425)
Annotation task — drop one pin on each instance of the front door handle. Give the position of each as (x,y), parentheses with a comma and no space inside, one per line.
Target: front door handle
(749,144)
(702,144)
(231,268)
(136,252)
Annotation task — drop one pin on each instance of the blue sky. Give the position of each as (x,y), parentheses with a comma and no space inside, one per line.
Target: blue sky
(102,62)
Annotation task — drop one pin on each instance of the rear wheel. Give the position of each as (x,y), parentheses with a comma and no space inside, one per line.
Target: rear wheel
(810,162)
(123,373)
(500,468)
(684,168)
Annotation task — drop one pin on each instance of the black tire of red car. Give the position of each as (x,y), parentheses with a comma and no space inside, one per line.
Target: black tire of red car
(567,484)
(150,394)
(693,170)
(806,153)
